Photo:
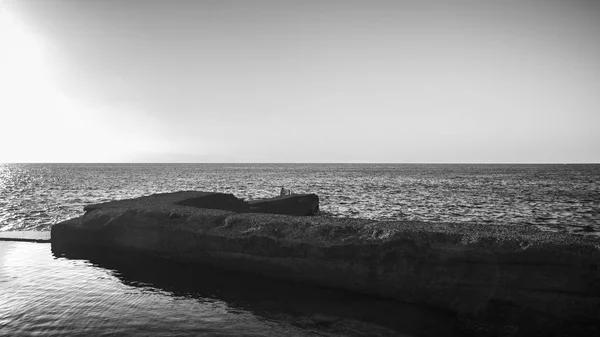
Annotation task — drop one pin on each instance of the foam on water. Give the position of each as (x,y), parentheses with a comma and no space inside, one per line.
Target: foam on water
(555,197)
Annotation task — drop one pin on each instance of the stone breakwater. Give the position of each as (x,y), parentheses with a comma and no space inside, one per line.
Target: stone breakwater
(498,280)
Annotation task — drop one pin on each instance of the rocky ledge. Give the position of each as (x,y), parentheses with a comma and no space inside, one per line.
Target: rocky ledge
(499,280)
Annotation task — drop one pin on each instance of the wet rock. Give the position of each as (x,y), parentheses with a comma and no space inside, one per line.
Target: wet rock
(25,236)
(492,277)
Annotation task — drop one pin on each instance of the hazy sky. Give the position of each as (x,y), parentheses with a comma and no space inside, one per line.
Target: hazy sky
(299,81)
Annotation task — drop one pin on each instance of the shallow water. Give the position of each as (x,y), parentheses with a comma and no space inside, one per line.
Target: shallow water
(554,197)
(53,294)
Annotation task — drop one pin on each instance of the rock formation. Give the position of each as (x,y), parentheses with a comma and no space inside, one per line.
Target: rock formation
(295,204)
(513,280)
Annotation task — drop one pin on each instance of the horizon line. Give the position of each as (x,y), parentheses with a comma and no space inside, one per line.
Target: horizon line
(325,163)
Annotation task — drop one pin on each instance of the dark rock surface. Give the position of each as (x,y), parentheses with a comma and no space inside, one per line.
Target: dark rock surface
(295,204)
(498,280)
(212,200)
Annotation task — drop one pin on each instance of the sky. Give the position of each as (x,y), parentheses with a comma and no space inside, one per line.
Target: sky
(300,81)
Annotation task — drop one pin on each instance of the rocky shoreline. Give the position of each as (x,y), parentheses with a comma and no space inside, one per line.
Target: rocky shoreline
(498,280)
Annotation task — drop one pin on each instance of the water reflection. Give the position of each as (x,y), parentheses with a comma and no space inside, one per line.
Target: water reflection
(310,309)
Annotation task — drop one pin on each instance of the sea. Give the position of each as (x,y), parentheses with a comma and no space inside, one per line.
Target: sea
(49,293)
(551,197)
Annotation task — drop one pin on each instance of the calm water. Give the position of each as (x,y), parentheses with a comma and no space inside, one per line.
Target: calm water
(46,293)
(556,197)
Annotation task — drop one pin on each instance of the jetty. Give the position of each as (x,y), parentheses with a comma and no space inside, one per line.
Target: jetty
(497,280)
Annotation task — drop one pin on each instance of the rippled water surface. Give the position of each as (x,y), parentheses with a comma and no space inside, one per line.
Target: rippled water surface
(46,293)
(557,197)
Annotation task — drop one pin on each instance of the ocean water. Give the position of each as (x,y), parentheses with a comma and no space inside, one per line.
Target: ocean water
(552,197)
(47,293)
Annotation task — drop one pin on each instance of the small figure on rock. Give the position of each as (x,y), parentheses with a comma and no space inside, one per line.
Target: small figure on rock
(285,191)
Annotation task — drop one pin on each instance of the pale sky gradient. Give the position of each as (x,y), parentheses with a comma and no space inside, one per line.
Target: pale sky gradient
(299,81)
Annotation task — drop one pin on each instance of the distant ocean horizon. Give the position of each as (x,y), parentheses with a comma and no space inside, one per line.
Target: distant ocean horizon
(557,197)
(299,163)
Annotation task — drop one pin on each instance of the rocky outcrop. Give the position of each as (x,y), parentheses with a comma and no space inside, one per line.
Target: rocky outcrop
(211,200)
(512,280)
(295,204)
